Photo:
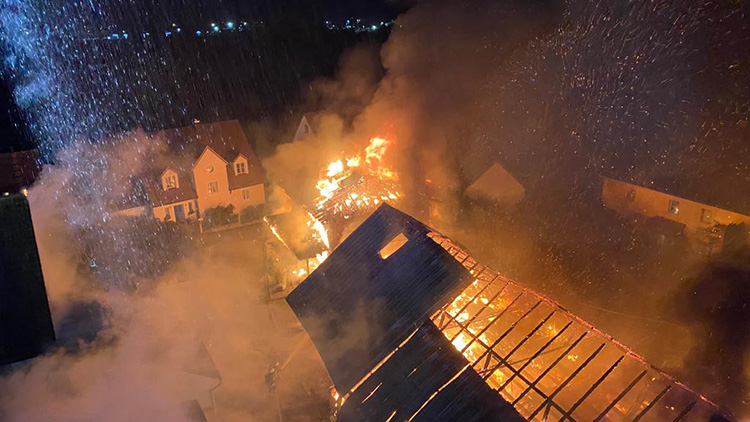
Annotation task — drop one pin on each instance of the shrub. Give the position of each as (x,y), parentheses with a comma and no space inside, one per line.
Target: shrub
(219,216)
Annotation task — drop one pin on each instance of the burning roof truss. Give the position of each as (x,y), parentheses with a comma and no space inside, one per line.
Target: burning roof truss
(550,364)
(358,194)
(368,311)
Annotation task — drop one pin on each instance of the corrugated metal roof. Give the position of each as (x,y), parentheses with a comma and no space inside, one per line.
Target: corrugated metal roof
(426,380)
(358,307)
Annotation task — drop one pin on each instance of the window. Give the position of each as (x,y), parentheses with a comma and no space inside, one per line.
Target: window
(167,213)
(245,194)
(395,244)
(707,215)
(190,208)
(210,169)
(674,207)
(213,187)
(170,182)
(240,167)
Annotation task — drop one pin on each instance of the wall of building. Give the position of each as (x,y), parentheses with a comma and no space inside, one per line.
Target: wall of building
(257,197)
(210,167)
(132,212)
(18,170)
(617,196)
(161,212)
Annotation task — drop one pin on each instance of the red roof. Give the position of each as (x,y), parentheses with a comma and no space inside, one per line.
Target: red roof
(225,138)
(158,196)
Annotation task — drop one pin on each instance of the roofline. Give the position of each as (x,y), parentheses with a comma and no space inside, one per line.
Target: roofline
(164,204)
(169,167)
(207,147)
(247,186)
(194,125)
(675,196)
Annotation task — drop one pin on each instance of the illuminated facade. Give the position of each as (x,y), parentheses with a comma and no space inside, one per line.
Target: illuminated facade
(220,169)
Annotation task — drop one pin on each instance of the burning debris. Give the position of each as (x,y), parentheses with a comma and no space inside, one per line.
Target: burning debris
(550,364)
(302,246)
(356,184)
(347,187)
(369,313)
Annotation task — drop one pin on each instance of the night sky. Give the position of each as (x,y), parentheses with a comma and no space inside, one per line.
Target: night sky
(194,14)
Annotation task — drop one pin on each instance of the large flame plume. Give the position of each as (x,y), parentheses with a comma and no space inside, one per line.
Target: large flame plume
(352,184)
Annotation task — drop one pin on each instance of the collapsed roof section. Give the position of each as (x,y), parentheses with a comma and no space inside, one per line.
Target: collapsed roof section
(358,194)
(373,308)
(294,230)
(551,364)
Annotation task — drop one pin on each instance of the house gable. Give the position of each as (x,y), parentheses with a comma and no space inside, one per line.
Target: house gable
(497,185)
(240,165)
(303,130)
(169,179)
(211,174)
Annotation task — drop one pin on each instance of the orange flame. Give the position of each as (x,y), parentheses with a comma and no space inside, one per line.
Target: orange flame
(371,163)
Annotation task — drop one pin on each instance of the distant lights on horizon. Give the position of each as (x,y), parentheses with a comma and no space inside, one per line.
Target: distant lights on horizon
(352,24)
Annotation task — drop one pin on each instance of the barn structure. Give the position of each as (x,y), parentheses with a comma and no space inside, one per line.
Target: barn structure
(411,328)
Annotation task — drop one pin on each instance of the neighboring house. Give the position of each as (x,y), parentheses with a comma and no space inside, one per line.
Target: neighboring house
(497,186)
(18,170)
(700,219)
(213,165)
(304,129)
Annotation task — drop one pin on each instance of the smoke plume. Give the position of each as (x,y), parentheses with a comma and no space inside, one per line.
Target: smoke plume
(199,324)
(561,93)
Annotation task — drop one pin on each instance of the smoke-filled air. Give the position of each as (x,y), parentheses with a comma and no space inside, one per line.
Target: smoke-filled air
(206,180)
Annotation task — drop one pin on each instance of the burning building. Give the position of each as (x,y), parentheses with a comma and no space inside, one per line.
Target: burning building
(299,243)
(349,189)
(353,187)
(411,327)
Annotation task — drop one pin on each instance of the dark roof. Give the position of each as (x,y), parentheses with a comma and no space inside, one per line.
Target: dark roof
(18,170)
(357,307)
(225,138)
(425,365)
(25,321)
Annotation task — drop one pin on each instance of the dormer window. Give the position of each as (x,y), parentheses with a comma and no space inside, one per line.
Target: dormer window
(240,166)
(169,180)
